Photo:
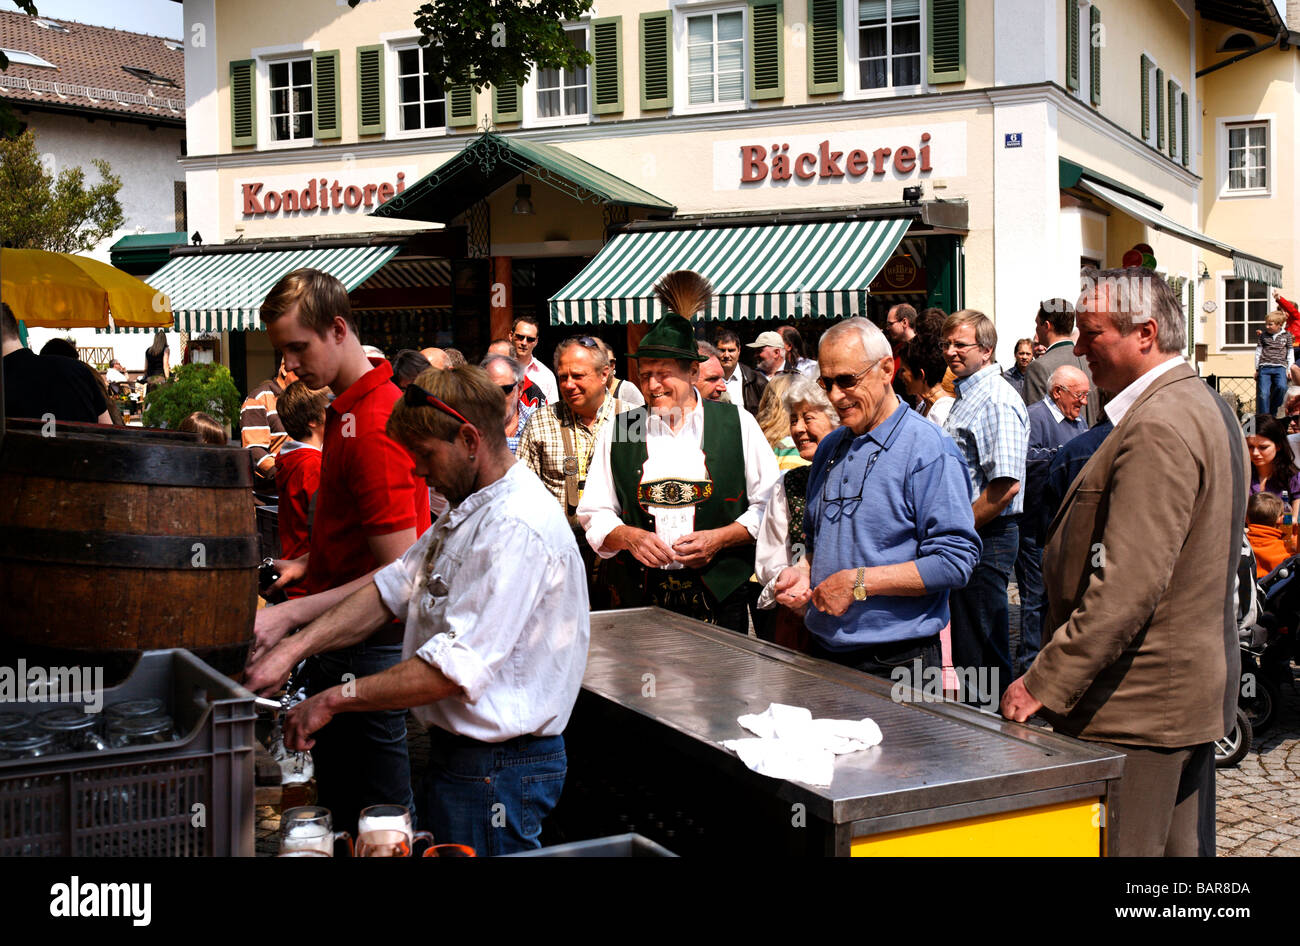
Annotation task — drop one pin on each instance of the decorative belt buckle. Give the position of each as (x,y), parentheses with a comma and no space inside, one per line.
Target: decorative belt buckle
(674,492)
(570,466)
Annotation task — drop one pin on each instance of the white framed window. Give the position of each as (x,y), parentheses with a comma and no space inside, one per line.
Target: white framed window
(1084,12)
(885,46)
(1245,304)
(290,89)
(1246,158)
(561,96)
(1175,121)
(25,58)
(416,98)
(710,59)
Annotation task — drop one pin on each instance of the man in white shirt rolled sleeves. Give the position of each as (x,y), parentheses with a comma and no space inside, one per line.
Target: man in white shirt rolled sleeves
(495,605)
(679,487)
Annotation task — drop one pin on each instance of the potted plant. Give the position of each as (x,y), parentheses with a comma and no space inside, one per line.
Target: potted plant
(194,387)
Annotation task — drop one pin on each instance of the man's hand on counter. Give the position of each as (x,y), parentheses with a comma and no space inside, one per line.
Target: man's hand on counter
(1017,703)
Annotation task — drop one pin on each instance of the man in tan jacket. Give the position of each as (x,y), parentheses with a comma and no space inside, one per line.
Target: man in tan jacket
(1140,634)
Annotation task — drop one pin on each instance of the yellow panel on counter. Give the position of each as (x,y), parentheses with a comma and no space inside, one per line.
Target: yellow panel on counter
(1069,829)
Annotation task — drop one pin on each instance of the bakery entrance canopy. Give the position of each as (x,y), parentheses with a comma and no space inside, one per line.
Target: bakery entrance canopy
(816,270)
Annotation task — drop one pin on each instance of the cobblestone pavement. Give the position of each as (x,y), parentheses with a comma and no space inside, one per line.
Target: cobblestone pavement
(1259,799)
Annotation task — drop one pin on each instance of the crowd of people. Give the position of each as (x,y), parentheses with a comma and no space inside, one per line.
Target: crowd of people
(448,527)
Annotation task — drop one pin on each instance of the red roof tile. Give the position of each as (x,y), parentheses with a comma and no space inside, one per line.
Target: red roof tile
(90,69)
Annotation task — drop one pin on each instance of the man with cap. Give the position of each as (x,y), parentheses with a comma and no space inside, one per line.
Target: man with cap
(676,490)
(769,354)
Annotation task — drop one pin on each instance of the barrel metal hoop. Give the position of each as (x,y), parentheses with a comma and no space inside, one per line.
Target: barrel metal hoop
(125,550)
(126,460)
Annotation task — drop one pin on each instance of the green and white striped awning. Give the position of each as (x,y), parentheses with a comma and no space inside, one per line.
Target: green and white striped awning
(223,292)
(773,271)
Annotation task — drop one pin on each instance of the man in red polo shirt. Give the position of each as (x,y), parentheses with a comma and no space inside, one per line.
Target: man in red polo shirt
(369,510)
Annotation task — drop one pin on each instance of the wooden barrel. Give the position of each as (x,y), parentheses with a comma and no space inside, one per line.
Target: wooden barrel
(117,540)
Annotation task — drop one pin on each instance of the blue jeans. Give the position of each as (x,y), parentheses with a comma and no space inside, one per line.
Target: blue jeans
(1029,579)
(360,758)
(1270,388)
(980,625)
(491,796)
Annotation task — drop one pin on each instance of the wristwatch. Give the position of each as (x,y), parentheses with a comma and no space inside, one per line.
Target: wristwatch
(860,586)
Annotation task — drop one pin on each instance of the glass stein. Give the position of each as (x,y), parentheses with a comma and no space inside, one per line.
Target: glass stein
(310,828)
(73,729)
(379,818)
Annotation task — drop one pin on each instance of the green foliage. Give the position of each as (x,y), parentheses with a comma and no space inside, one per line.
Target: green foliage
(39,211)
(195,387)
(476,42)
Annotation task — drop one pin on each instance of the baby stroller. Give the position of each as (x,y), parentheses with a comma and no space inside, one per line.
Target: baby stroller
(1269,644)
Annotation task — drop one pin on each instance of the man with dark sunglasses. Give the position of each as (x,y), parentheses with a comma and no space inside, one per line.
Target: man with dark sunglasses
(524,336)
(888,525)
(507,374)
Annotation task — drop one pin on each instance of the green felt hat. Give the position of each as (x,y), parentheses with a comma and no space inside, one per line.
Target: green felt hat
(671,337)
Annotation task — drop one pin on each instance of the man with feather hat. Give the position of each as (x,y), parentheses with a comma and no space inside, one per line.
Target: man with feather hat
(676,489)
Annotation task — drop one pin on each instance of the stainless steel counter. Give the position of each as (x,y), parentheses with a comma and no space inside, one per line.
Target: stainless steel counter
(938,761)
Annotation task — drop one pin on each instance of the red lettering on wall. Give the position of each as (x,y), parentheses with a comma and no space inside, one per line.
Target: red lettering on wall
(401,181)
(925,153)
(251,206)
(805,173)
(780,167)
(308,201)
(878,157)
(752,166)
(290,200)
(385,191)
(905,160)
(370,194)
(334,195)
(267,202)
(352,197)
(828,166)
(859,162)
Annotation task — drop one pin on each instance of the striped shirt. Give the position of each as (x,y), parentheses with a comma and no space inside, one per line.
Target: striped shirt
(990,424)
(260,429)
(1274,349)
(525,412)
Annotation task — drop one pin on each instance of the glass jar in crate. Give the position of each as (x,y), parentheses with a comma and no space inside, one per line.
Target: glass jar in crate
(73,729)
(14,724)
(144,731)
(26,746)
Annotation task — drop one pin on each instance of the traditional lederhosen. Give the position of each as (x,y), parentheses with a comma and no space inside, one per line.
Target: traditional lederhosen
(719,500)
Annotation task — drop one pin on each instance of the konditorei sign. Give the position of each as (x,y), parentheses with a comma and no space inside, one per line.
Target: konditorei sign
(358,190)
(877,155)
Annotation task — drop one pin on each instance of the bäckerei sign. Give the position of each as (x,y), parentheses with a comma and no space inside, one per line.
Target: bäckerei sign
(907,154)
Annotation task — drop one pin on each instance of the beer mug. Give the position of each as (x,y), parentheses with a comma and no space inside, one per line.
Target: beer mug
(310,828)
(386,842)
(378,818)
(450,850)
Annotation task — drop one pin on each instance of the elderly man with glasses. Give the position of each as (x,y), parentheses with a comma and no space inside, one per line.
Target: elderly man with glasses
(508,375)
(991,427)
(888,527)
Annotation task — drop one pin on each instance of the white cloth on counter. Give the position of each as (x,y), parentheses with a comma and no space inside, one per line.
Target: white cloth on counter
(791,745)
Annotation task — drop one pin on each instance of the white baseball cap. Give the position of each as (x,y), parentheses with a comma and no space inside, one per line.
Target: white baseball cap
(766,339)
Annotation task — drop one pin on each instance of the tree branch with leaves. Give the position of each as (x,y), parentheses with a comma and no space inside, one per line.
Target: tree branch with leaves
(62,214)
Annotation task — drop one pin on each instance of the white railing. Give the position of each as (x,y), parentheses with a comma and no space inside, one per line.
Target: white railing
(67,89)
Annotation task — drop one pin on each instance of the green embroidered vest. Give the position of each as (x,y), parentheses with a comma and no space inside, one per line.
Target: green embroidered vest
(724,461)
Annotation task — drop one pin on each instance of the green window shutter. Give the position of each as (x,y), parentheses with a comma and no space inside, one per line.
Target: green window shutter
(1094,53)
(462,106)
(1173,119)
(325,94)
(766,56)
(1187,155)
(370,90)
(656,60)
(947,41)
(1160,110)
(825,46)
(243,103)
(1072,45)
(1146,98)
(607,69)
(507,104)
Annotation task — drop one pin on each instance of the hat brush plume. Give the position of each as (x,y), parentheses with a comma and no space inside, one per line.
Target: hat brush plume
(685,292)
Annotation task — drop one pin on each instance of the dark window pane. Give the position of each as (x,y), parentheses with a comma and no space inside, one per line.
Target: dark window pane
(1234,289)
(576,101)
(432,87)
(280,128)
(907,38)
(408,61)
(302,100)
(435,115)
(907,71)
(279,101)
(410,89)
(302,72)
(1234,333)
(873,75)
(410,116)
(279,73)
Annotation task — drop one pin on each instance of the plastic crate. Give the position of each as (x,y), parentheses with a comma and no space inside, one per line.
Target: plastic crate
(140,801)
(621,845)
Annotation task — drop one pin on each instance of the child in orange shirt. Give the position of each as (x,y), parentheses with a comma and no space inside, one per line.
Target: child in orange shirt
(1264,529)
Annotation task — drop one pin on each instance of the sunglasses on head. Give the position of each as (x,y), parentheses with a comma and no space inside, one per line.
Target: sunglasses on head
(416,396)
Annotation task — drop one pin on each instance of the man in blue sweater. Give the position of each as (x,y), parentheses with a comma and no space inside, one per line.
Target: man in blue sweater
(1053,422)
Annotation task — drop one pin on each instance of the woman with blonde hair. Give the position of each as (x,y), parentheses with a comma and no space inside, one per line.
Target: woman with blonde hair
(774,419)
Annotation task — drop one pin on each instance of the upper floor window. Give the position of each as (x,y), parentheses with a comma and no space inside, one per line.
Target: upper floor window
(421,99)
(562,93)
(1248,157)
(290,86)
(715,58)
(889,43)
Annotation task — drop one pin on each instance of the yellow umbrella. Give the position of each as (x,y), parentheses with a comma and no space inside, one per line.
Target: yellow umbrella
(62,290)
